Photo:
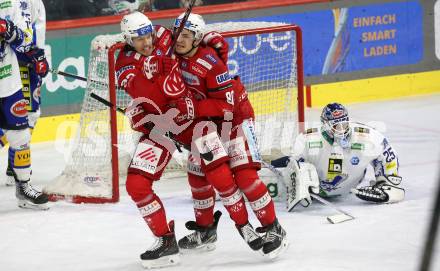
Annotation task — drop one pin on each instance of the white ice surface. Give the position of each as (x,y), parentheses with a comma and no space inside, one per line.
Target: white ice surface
(111,236)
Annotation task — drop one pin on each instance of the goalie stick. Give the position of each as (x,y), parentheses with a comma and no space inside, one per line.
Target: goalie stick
(342,216)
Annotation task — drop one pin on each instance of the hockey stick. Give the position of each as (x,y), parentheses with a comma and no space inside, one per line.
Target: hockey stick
(431,235)
(342,216)
(181,26)
(66,74)
(208,156)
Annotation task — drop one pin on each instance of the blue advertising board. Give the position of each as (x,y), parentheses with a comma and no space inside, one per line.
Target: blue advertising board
(358,38)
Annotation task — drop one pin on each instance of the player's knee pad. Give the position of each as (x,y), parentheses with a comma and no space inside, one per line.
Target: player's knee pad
(18,139)
(250,184)
(149,159)
(221,178)
(139,187)
(33,117)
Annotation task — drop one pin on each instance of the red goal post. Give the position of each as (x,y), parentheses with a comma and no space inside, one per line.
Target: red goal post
(269,61)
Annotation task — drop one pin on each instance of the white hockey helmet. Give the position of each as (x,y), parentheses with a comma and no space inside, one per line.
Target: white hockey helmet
(134,25)
(195,23)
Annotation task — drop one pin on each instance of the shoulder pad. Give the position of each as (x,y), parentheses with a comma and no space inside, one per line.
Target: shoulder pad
(311,130)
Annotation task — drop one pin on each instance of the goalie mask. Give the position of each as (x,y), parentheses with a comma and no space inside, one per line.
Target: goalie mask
(335,122)
(135,25)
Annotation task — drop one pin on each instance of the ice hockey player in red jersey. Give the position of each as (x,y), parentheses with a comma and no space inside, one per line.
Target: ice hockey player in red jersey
(154,82)
(224,100)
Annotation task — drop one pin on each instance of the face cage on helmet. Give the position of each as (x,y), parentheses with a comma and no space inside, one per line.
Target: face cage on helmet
(339,128)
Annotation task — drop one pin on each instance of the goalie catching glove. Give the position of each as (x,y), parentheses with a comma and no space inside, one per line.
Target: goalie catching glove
(301,180)
(384,190)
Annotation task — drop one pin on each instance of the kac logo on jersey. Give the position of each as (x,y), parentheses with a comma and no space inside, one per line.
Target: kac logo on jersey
(18,109)
(354,160)
(222,78)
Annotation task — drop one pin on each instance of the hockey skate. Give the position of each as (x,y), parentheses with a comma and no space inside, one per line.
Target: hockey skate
(164,251)
(275,239)
(10,180)
(252,238)
(30,198)
(203,238)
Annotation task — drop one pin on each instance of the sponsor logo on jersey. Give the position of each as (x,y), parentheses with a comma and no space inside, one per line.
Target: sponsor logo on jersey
(190,79)
(184,64)
(315,145)
(391,165)
(211,58)
(158,52)
(92,180)
(358,146)
(5,71)
(5,4)
(354,160)
(223,78)
(148,155)
(361,130)
(335,165)
(311,130)
(197,69)
(204,63)
(18,109)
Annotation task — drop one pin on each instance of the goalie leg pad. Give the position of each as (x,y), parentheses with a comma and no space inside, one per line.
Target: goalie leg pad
(149,204)
(301,179)
(204,199)
(256,192)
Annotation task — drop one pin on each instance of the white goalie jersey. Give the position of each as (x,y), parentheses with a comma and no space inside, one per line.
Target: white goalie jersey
(341,169)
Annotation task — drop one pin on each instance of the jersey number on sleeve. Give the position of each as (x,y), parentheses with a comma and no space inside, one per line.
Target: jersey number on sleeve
(389,155)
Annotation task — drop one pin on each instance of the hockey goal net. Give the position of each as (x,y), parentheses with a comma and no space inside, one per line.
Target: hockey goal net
(268,58)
